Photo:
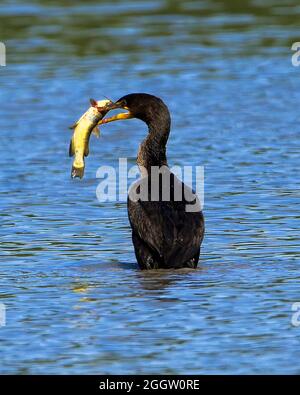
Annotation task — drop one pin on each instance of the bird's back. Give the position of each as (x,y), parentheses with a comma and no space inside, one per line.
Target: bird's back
(166,233)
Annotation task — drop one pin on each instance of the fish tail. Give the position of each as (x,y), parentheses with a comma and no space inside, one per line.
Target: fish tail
(77,172)
(77,168)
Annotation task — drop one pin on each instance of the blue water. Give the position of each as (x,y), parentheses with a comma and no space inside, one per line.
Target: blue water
(75,300)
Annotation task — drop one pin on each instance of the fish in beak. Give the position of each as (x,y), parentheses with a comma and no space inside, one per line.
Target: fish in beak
(83,128)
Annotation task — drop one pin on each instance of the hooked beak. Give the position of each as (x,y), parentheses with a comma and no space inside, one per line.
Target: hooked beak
(122,115)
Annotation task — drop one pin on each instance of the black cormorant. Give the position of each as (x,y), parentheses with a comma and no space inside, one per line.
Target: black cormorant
(164,233)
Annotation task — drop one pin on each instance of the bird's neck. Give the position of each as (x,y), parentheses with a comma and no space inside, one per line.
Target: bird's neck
(152,151)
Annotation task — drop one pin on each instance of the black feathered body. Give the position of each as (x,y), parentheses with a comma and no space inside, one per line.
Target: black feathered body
(164,233)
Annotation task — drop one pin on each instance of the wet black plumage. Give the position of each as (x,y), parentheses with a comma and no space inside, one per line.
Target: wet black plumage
(164,234)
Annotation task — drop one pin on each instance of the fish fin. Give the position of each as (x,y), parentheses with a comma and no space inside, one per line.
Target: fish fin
(71,148)
(96,131)
(74,125)
(93,102)
(77,122)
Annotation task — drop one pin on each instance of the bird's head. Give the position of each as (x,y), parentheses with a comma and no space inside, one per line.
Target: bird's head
(143,106)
